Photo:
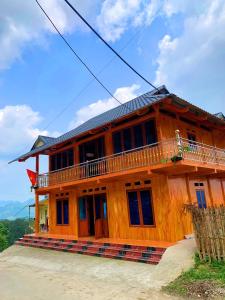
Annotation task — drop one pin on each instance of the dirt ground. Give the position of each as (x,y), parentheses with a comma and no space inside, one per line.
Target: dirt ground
(30,273)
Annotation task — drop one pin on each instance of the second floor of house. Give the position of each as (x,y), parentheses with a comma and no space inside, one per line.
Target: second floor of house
(150,137)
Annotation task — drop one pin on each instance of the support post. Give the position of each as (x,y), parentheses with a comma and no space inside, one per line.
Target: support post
(37,217)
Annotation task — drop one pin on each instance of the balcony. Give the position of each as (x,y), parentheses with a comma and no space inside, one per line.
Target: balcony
(166,156)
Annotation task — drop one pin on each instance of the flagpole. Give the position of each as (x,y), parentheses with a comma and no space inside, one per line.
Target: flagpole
(37,217)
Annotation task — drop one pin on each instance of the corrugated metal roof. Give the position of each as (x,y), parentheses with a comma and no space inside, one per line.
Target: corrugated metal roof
(220,115)
(105,118)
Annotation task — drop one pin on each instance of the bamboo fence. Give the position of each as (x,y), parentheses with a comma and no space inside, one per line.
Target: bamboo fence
(209,229)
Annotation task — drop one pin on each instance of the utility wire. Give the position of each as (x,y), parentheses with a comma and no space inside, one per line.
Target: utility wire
(79,58)
(107,44)
(88,84)
(20,210)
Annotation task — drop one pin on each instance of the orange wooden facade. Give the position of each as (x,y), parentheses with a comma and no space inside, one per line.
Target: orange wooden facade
(172,184)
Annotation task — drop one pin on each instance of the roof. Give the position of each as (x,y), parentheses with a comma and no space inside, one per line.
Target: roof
(42,140)
(105,118)
(41,203)
(220,115)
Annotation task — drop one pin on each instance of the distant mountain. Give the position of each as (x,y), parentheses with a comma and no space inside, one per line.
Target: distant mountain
(14,209)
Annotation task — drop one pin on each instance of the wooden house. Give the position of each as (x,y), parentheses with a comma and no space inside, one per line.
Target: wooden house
(128,173)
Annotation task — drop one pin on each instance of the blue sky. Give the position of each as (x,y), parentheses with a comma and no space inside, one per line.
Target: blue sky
(177,43)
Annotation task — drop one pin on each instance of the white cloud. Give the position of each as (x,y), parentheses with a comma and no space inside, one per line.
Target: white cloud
(18,129)
(117,16)
(23,22)
(85,113)
(193,63)
(114,17)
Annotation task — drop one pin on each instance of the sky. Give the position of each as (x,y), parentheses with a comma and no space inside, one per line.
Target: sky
(45,90)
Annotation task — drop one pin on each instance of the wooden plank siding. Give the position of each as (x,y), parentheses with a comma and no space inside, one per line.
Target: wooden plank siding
(169,192)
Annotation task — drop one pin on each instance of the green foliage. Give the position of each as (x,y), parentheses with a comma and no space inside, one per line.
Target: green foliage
(3,237)
(186,148)
(10,231)
(213,272)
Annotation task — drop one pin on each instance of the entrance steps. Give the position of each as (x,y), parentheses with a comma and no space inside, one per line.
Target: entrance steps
(136,253)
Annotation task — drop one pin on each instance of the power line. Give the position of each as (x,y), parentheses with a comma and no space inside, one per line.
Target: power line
(20,210)
(78,57)
(107,44)
(88,84)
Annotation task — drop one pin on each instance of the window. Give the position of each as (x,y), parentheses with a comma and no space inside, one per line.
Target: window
(104,209)
(117,142)
(134,209)
(62,160)
(150,132)
(138,136)
(97,207)
(140,208)
(146,207)
(200,194)
(62,211)
(134,137)
(82,208)
(199,184)
(127,139)
(192,140)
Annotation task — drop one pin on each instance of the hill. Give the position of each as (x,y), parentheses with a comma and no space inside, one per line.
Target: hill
(11,210)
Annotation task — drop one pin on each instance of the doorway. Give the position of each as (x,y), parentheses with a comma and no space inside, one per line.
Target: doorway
(93,219)
(92,150)
(89,152)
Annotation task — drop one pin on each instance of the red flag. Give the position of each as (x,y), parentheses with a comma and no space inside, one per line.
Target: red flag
(32,176)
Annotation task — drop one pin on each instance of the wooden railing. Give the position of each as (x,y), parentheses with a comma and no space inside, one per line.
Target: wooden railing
(153,154)
(200,152)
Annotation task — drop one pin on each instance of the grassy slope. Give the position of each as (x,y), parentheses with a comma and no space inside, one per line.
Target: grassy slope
(203,276)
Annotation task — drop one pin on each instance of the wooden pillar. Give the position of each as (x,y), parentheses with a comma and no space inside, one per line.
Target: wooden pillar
(37,217)
(210,191)
(108,142)
(158,123)
(76,155)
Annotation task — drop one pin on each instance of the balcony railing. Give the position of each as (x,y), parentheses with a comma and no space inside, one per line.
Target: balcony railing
(154,154)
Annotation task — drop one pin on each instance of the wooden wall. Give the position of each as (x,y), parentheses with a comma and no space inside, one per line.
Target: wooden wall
(169,194)
(171,221)
(169,125)
(213,188)
(72,228)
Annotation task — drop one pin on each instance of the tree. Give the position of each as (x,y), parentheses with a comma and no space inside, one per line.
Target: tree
(3,237)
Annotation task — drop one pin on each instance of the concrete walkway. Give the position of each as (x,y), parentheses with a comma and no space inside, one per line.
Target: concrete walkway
(31,273)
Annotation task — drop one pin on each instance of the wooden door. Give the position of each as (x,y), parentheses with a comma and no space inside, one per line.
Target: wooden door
(83,216)
(100,214)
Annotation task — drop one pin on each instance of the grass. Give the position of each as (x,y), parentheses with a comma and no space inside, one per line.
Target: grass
(200,281)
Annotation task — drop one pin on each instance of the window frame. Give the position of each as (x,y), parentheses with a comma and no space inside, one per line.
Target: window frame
(131,128)
(53,157)
(192,140)
(201,191)
(62,213)
(138,191)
